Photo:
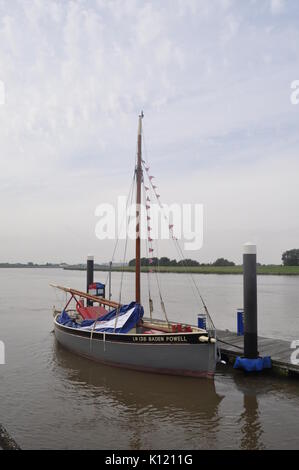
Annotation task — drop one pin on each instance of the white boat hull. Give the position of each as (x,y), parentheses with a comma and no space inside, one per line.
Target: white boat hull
(169,353)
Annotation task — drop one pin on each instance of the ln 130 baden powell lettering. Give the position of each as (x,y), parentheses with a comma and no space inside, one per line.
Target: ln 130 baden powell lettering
(160,339)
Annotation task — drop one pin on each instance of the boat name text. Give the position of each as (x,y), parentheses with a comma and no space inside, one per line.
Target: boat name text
(160,339)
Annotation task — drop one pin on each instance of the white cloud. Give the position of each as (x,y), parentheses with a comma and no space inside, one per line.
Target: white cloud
(277,6)
(76,74)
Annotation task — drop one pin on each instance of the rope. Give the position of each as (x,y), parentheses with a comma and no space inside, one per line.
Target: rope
(150,301)
(157,272)
(124,257)
(122,221)
(230,344)
(181,255)
(196,286)
(60,298)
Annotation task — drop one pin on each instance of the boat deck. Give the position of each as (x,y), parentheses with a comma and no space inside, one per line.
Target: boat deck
(280,351)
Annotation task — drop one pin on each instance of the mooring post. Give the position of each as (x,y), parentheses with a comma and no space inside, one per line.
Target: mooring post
(250,301)
(250,362)
(89,275)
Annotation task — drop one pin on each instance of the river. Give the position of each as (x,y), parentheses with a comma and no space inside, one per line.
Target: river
(52,399)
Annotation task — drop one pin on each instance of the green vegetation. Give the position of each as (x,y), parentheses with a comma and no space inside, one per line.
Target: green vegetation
(166,262)
(165,265)
(290,257)
(30,265)
(208,269)
(202,269)
(223,262)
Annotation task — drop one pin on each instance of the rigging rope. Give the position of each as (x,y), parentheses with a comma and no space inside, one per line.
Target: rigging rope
(149,239)
(150,301)
(157,274)
(130,194)
(179,250)
(149,248)
(125,252)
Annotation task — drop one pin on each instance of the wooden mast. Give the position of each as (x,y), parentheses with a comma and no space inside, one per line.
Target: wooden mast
(138,208)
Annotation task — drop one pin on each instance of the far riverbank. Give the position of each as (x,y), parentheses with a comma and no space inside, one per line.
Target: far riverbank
(262,270)
(271,270)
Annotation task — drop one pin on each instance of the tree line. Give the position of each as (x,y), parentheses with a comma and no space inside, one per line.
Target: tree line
(291,257)
(164,261)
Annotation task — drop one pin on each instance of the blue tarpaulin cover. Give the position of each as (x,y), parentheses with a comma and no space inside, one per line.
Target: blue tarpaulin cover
(251,365)
(127,318)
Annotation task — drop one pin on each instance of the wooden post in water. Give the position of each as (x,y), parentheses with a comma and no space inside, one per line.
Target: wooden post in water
(89,275)
(250,301)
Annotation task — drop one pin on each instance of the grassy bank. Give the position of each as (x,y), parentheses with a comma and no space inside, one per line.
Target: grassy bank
(264,270)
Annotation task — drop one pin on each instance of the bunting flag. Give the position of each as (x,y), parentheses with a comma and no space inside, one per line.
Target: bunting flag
(148,207)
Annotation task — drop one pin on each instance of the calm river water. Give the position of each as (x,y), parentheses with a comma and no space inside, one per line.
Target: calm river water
(50,398)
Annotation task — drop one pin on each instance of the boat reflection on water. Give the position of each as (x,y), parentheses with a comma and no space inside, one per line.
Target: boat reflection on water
(132,387)
(190,403)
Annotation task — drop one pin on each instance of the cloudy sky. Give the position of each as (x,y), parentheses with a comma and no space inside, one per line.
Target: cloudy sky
(214,80)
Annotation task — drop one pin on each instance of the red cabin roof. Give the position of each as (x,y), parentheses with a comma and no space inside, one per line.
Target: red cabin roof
(91,313)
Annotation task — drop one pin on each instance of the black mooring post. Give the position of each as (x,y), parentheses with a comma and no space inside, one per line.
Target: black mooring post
(250,301)
(89,275)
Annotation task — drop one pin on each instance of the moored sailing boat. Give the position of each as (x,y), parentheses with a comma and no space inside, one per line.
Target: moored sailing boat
(123,337)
